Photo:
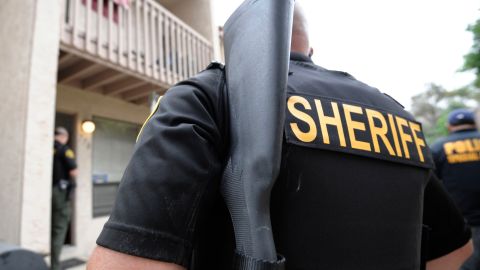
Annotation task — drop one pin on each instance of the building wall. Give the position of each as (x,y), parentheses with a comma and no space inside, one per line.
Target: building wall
(28,75)
(84,105)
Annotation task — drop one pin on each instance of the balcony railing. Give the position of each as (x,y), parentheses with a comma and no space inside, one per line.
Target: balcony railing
(143,38)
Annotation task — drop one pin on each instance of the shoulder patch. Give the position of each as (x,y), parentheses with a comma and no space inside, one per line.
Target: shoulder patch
(69,154)
(349,127)
(155,109)
(215,65)
(462,150)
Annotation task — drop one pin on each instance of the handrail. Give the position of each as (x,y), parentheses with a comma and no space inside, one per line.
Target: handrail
(145,38)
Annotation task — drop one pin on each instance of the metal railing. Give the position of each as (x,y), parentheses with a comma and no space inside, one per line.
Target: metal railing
(144,38)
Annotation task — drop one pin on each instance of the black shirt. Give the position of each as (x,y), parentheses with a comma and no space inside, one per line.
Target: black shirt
(63,162)
(350,195)
(457,160)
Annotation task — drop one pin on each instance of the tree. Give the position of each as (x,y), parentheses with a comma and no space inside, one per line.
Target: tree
(432,107)
(472,59)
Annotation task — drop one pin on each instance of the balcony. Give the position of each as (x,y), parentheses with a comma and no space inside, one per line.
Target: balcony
(127,51)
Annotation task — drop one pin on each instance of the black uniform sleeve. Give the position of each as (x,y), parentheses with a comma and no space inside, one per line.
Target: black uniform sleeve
(178,155)
(69,159)
(438,158)
(446,228)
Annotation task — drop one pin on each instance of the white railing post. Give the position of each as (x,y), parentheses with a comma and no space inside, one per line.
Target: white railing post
(88,32)
(190,55)
(110,30)
(202,55)
(174,48)
(75,14)
(179,52)
(199,55)
(137,35)
(64,14)
(161,46)
(130,38)
(120,30)
(146,42)
(184,53)
(205,55)
(168,51)
(99,27)
(153,39)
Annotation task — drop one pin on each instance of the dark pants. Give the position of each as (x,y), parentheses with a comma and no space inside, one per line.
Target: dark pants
(61,212)
(473,263)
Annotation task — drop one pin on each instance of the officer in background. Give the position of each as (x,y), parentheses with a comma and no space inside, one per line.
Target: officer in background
(355,182)
(64,173)
(457,160)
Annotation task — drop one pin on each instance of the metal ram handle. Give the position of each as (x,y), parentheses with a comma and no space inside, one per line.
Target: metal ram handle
(257,49)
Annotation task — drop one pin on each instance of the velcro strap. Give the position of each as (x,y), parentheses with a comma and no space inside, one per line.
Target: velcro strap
(243,262)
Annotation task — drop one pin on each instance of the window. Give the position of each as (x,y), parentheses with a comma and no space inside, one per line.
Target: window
(113,144)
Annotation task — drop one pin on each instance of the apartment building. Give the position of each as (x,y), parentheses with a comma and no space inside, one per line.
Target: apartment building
(65,62)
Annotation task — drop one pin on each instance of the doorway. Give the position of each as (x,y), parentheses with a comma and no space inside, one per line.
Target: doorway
(68,122)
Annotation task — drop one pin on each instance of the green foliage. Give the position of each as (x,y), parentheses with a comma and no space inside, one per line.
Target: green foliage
(472,59)
(432,107)
(440,128)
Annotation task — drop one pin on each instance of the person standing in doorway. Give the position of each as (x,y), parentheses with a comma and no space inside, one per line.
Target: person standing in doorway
(64,173)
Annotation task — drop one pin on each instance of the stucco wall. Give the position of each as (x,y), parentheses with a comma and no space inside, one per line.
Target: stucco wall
(84,105)
(28,76)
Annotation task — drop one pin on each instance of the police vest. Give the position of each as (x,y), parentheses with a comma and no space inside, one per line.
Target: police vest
(354,167)
(457,159)
(340,117)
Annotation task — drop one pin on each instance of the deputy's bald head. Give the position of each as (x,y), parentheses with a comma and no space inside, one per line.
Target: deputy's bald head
(300,38)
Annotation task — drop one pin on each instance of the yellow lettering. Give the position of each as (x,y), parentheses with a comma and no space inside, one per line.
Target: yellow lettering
(469,145)
(302,136)
(355,125)
(460,147)
(403,136)
(419,142)
(462,158)
(395,135)
(329,120)
(448,148)
(380,132)
(476,144)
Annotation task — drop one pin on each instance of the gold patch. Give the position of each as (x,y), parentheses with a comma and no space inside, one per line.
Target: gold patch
(69,154)
(461,151)
(323,123)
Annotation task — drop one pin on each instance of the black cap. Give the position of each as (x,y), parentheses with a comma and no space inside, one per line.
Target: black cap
(461,117)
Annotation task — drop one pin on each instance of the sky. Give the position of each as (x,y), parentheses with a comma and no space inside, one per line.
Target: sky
(397,46)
